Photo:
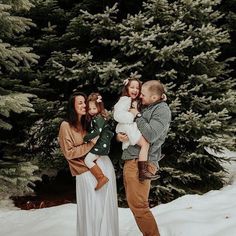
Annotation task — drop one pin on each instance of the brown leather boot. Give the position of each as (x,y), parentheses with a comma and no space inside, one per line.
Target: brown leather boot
(144,173)
(100,177)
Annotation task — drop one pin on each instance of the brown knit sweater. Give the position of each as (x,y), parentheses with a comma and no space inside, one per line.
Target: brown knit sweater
(74,148)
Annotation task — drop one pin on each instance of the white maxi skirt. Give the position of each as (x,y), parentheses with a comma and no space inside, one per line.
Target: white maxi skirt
(97,211)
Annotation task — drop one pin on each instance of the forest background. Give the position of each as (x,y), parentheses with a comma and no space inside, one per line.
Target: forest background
(50,48)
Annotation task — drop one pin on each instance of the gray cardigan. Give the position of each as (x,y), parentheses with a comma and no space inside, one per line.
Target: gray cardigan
(153,124)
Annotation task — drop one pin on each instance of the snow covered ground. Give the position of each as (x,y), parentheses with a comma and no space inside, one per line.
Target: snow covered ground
(212,214)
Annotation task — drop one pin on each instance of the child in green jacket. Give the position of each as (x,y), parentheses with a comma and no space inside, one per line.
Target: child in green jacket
(99,127)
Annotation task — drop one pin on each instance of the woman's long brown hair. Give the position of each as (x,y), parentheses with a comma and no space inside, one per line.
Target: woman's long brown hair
(72,116)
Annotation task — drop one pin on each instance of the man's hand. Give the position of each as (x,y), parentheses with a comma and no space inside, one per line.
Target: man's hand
(122,137)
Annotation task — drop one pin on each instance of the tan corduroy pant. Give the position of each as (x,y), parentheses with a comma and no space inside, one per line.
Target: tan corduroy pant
(137,198)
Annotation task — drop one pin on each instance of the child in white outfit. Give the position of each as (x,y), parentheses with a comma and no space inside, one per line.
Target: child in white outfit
(127,125)
(126,122)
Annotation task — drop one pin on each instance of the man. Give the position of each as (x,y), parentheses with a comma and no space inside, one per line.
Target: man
(153,122)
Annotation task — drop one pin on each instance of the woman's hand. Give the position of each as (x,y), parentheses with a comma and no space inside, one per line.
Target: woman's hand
(122,137)
(94,140)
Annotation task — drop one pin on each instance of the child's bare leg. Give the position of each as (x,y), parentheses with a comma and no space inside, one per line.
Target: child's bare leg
(144,145)
(89,160)
(142,161)
(95,170)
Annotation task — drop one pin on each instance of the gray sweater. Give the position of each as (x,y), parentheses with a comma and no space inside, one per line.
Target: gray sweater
(153,124)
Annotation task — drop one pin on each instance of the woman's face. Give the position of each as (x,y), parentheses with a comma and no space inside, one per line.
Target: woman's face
(80,106)
(133,89)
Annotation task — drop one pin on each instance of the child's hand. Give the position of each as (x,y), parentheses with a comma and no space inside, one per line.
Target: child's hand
(122,137)
(134,111)
(94,140)
(134,105)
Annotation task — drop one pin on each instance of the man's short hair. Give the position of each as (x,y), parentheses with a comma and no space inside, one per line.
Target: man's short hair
(155,87)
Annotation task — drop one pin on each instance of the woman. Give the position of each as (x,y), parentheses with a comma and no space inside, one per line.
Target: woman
(97,211)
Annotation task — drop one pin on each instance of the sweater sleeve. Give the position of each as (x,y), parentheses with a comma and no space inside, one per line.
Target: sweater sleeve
(121,110)
(98,124)
(69,149)
(154,129)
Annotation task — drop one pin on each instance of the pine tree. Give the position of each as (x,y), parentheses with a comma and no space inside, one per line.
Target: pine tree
(50,39)
(15,172)
(12,57)
(41,133)
(91,46)
(179,43)
(229,23)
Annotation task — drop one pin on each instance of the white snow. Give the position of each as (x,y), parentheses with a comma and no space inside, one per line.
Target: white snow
(211,214)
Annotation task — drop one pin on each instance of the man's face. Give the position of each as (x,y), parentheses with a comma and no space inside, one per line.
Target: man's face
(146,96)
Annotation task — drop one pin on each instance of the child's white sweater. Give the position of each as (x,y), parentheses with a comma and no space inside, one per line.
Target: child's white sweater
(126,122)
